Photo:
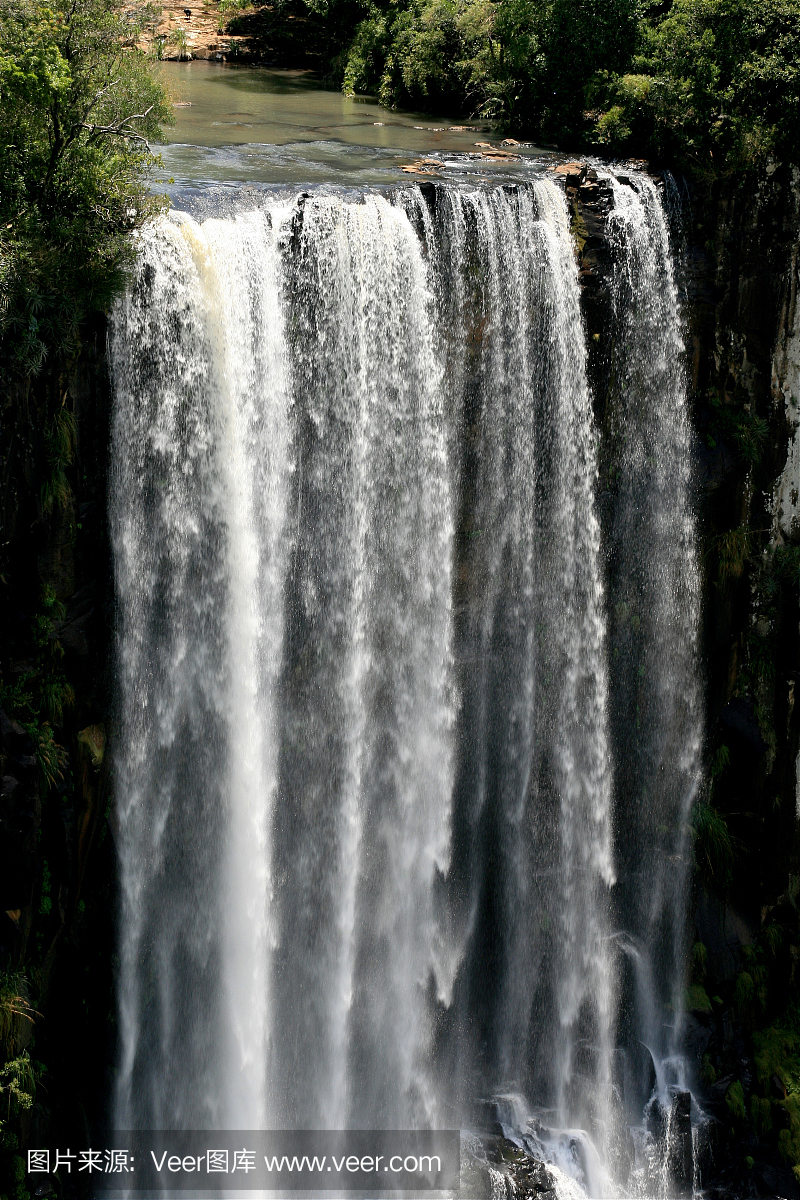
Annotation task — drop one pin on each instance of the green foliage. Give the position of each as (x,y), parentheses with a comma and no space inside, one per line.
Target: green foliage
(786,565)
(734,1099)
(422,65)
(722,758)
(612,129)
(14,1008)
(789,1139)
(180,41)
(708,1076)
(714,846)
(45,899)
(51,757)
(773,938)
(696,999)
(750,993)
(520,62)
(743,992)
(699,961)
(19,701)
(60,440)
(761,1114)
(18,1079)
(78,107)
(777,1052)
(726,81)
(39,697)
(712,84)
(738,423)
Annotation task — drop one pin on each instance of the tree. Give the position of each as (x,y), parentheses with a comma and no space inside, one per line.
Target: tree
(78,110)
(716,84)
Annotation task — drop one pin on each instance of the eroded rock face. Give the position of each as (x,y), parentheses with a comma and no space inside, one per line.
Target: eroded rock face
(494,1166)
(680,1160)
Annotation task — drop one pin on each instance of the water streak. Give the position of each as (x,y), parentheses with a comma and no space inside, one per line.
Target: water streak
(655,617)
(199,482)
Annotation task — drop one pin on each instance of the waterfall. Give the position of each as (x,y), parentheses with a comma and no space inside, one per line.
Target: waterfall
(201,470)
(363,827)
(388,685)
(655,610)
(533,822)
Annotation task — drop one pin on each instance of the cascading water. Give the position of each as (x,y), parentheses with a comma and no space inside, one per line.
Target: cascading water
(363,826)
(655,594)
(364,776)
(533,817)
(201,473)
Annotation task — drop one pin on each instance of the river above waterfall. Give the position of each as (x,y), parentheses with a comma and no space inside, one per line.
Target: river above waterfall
(259,125)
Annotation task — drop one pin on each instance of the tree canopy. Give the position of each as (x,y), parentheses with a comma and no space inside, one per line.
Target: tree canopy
(710,84)
(78,110)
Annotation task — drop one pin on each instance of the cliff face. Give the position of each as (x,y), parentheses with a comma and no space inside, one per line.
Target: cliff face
(57,868)
(738,269)
(742,289)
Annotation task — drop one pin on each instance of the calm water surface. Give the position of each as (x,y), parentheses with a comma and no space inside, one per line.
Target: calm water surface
(242,124)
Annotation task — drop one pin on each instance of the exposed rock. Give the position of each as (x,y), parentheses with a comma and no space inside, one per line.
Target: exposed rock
(192,33)
(15,740)
(697,1035)
(569,168)
(680,1163)
(93,737)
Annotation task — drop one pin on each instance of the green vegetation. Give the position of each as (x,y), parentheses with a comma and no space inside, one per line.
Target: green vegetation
(711,85)
(777,1061)
(17,1086)
(15,1011)
(78,108)
(734,421)
(714,846)
(78,111)
(734,1099)
(713,82)
(524,63)
(696,999)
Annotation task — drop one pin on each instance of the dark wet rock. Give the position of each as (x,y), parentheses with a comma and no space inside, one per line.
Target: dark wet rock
(656,1120)
(738,718)
(697,1035)
(710,1149)
(680,1159)
(524,1176)
(720,1086)
(15,740)
(73,631)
